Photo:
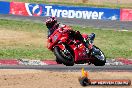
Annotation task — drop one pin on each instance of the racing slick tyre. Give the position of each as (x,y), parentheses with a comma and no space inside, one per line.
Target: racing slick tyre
(64,56)
(58,61)
(99,57)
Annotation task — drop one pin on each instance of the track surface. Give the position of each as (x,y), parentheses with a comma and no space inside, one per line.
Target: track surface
(117,25)
(70,68)
(81,22)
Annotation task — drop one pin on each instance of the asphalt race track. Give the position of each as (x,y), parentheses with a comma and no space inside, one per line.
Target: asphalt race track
(81,22)
(69,68)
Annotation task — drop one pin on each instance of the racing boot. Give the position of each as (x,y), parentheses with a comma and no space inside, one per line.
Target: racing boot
(91,38)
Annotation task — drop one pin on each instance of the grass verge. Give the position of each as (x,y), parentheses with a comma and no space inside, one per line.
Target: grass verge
(19,39)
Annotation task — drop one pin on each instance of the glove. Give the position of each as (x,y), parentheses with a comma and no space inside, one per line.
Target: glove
(65,31)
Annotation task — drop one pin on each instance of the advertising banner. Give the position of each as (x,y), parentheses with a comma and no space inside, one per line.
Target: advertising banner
(64,11)
(126,15)
(18,8)
(4,7)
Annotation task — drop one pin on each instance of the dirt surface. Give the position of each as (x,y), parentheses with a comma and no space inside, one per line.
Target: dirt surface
(18,38)
(49,79)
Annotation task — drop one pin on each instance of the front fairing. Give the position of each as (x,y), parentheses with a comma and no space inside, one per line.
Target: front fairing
(53,39)
(56,38)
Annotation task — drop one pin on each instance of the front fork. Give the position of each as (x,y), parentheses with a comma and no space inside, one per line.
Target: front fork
(61,45)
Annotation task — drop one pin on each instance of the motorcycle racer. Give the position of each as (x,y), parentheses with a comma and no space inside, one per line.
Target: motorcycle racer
(71,47)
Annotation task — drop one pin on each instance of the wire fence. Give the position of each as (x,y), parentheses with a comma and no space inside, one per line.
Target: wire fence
(93,1)
(102,3)
(117,3)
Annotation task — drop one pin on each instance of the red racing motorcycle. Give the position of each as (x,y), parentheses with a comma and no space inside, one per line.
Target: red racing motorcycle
(70,51)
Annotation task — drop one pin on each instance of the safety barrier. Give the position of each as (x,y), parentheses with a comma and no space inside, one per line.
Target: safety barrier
(30,9)
(126,15)
(4,7)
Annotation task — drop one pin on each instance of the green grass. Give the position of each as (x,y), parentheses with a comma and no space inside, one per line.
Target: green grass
(22,26)
(113,43)
(21,53)
(22,50)
(103,4)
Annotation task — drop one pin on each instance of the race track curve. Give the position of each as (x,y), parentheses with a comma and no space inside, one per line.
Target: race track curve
(81,22)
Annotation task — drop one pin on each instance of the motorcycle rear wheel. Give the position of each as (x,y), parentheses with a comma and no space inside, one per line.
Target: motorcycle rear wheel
(62,58)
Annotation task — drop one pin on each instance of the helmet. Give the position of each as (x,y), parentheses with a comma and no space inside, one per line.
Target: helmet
(50,22)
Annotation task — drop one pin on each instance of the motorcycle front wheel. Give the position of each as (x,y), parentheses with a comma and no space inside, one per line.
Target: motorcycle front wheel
(64,56)
(99,57)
